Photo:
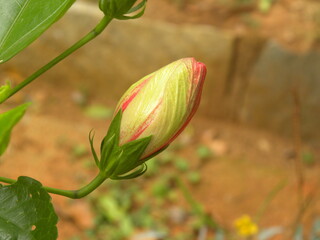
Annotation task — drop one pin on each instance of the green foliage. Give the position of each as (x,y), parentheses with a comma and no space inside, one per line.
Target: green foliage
(26,211)
(161,188)
(22,21)
(98,112)
(265,5)
(204,152)
(181,164)
(308,158)
(194,177)
(7,121)
(4,91)
(120,162)
(79,150)
(315,231)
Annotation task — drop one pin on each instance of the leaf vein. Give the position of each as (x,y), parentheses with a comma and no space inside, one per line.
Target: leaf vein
(33,29)
(13,23)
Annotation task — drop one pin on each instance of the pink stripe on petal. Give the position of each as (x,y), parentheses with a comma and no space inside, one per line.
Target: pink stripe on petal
(146,123)
(201,77)
(133,94)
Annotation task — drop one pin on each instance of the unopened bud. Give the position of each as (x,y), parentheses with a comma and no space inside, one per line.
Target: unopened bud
(162,104)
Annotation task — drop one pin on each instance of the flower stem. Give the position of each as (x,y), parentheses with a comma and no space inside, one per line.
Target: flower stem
(91,35)
(74,194)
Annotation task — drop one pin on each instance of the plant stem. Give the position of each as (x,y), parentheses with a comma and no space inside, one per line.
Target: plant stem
(74,194)
(91,35)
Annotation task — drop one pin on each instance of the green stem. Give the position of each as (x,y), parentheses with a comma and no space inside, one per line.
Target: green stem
(91,35)
(74,194)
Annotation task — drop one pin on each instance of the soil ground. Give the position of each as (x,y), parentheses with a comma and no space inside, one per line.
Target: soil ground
(247,163)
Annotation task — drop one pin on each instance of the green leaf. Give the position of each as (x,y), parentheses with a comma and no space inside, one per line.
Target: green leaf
(194,177)
(265,5)
(298,235)
(22,21)
(7,121)
(315,232)
(26,212)
(4,91)
(203,152)
(98,112)
(110,143)
(111,208)
(308,158)
(181,164)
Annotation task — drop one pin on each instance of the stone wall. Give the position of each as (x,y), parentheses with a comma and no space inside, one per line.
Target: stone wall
(250,79)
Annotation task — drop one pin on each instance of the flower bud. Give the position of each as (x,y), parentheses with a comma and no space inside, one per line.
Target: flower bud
(161,104)
(118,8)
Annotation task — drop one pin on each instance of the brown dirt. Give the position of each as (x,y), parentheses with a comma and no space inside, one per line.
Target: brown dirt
(248,164)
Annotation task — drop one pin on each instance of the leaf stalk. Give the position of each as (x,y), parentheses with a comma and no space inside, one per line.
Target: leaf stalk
(87,38)
(74,194)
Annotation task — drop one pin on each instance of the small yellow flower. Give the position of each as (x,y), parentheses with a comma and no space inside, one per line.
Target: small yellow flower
(245,226)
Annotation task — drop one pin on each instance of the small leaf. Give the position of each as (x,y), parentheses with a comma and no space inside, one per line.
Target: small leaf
(204,152)
(111,208)
(161,188)
(98,112)
(181,164)
(315,232)
(265,5)
(7,121)
(308,158)
(79,151)
(26,211)
(298,235)
(194,177)
(22,21)
(4,91)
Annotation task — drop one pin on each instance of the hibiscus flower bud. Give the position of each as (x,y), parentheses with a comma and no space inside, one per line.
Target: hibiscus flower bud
(119,8)
(161,104)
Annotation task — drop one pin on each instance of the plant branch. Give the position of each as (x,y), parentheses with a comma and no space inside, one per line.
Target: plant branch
(74,194)
(91,35)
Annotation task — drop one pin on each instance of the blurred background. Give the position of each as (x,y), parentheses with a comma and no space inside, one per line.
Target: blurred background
(248,165)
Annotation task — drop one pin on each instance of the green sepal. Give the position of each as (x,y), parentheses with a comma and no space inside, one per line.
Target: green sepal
(7,121)
(140,7)
(110,142)
(118,9)
(115,8)
(4,91)
(136,173)
(131,155)
(95,156)
(115,160)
